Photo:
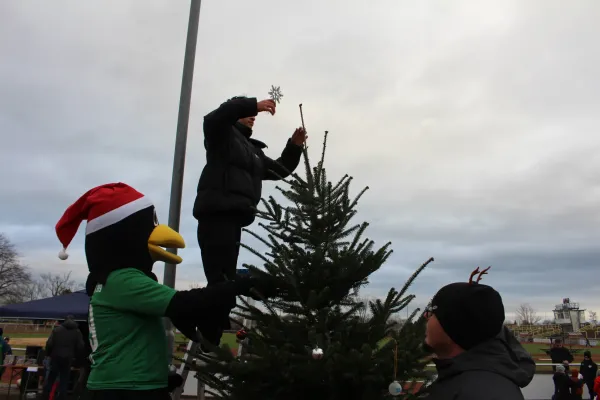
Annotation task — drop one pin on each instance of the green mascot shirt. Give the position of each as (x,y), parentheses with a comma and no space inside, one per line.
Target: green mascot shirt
(127,335)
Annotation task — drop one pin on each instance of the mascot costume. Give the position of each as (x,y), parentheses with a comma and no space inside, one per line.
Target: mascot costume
(129,359)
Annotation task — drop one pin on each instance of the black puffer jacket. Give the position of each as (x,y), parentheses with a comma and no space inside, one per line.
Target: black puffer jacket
(494,370)
(65,341)
(231,181)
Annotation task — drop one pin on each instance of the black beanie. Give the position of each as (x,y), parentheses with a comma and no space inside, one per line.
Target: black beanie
(470,313)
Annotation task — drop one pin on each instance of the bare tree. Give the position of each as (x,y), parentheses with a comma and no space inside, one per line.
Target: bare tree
(33,290)
(13,274)
(58,284)
(593,317)
(526,315)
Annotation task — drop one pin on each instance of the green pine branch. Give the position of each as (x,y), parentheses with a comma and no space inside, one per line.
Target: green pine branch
(314,250)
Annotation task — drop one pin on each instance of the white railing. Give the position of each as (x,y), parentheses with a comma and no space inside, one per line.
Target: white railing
(537,364)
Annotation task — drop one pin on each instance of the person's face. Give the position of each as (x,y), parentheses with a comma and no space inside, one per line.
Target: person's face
(249,122)
(558,345)
(435,336)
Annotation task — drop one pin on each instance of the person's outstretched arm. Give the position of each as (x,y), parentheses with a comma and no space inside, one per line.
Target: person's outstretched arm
(228,113)
(133,291)
(289,160)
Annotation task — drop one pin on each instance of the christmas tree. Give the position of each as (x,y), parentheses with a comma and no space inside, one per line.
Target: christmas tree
(313,342)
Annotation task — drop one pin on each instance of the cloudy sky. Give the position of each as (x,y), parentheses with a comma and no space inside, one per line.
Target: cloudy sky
(474,123)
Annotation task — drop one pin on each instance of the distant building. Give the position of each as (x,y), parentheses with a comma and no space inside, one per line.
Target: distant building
(569,316)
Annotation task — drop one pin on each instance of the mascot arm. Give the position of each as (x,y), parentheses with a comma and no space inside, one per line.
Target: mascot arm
(190,309)
(196,303)
(132,290)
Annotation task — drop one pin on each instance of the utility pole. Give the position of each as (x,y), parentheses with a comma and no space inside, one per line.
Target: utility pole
(183,118)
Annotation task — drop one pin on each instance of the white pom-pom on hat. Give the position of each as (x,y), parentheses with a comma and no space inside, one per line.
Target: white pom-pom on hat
(63,254)
(94,205)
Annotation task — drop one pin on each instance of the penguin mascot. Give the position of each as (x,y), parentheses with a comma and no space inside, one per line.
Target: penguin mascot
(129,359)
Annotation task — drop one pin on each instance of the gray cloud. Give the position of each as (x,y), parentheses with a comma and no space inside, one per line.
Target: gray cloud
(473,124)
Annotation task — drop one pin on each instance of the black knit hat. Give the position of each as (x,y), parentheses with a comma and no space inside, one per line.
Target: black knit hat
(469,312)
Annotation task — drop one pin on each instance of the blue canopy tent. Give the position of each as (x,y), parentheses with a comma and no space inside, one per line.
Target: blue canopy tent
(75,304)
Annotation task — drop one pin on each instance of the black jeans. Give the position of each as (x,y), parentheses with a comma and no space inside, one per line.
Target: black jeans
(59,368)
(219,241)
(155,394)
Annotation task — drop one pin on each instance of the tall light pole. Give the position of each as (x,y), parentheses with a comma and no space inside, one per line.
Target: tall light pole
(185,99)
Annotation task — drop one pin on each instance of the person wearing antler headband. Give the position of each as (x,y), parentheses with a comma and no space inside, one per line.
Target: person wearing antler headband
(476,356)
(230,187)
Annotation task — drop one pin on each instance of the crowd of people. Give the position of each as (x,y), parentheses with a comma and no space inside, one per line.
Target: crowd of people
(569,382)
(65,347)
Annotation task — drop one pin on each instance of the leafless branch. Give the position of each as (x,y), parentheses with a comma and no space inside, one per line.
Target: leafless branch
(526,315)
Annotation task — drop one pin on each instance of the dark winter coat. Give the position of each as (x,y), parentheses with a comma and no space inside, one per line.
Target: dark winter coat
(231,181)
(65,341)
(494,370)
(562,386)
(560,354)
(588,370)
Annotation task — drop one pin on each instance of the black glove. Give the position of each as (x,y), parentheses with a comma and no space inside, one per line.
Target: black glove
(265,285)
(185,326)
(174,381)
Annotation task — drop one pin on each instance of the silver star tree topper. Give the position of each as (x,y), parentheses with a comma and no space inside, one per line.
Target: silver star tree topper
(275,94)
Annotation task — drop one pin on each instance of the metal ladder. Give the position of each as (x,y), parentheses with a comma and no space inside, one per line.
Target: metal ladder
(193,347)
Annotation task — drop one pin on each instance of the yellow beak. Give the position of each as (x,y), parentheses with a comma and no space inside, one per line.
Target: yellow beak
(164,237)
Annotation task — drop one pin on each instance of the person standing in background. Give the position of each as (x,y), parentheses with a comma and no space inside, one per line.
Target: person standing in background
(589,369)
(560,355)
(577,388)
(5,350)
(64,344)
(562,384)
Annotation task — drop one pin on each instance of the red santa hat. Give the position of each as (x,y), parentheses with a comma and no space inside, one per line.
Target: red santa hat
(101,206)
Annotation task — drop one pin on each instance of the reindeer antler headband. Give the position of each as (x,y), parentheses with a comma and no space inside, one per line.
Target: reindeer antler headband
(476,272)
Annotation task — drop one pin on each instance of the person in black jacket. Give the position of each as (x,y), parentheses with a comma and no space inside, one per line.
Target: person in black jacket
(476,356)
(230,188)
(588,370)
(562,384)
(560,355)
(64,344)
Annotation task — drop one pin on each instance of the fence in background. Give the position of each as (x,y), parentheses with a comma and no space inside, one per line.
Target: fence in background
(14,327)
